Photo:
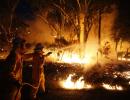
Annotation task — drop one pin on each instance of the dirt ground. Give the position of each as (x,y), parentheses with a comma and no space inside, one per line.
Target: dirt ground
(96,94)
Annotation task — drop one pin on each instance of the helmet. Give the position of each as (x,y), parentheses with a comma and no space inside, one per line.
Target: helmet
(38,47)
(18,41)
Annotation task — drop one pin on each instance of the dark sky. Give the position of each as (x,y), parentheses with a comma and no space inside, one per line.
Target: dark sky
(24,10)
(124,9)
(123,19)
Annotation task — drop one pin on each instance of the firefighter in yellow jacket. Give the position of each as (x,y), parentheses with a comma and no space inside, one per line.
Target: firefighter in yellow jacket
(13,72)
(38,68)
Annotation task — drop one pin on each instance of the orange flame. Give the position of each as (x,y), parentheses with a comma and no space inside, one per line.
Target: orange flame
(79,84)
(112,87)
(72,57)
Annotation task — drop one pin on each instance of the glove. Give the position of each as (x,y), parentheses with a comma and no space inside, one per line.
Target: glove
(49,53)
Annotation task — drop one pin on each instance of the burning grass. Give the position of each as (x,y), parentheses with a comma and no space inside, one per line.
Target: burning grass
(69,83)
(114,77)
(75,54)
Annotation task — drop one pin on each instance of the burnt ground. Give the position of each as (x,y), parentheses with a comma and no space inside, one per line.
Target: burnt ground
(96,94)
(54,72)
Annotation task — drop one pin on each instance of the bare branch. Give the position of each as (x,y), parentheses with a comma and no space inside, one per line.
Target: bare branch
(3,28)
(12,15)
(51,26)
(65,14)
(79,5)
(62,10)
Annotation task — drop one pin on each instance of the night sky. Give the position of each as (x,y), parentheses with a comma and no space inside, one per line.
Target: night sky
(124,11)
(25,11)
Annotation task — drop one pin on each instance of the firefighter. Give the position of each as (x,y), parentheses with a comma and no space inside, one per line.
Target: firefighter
(38,69)
(13,72)
(106,49)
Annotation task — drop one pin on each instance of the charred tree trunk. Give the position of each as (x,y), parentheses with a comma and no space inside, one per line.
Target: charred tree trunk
(99,29)
(82,16)
(116,46)
(99,34)
(121,42)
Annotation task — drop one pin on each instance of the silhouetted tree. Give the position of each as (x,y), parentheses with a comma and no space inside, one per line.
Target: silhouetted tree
(10,24)
(122,24)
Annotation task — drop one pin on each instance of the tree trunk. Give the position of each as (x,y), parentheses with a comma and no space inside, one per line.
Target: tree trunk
(82,16)
(99,29)
(117,41)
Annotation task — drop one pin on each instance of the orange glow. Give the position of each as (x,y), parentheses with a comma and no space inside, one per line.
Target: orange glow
(79,84)
(71,56)
(112,87)
(129,82)
(74,58)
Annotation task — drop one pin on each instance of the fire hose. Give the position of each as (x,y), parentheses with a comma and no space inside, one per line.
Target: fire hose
(23,84)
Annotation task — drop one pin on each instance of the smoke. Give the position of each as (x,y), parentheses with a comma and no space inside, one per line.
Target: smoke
(40,32)
(92,48)
(108,20)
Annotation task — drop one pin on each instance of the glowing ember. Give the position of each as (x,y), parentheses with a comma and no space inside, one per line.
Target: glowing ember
(126,74)
(79,84)
(124,59)
(129,82)
(112,87)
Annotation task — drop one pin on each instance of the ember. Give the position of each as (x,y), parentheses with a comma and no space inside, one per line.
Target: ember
(112,87)
(126,74)
(129,83)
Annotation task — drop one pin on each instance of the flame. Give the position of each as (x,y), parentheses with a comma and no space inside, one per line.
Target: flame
(126,74)
(75,58)
(71,57)
(129,82)
(112,87)
(79,84)
(124,59)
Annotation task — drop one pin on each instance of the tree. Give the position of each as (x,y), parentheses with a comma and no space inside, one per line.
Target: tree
(78,16)
(7,16)
(122,25)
